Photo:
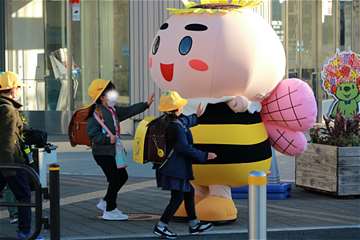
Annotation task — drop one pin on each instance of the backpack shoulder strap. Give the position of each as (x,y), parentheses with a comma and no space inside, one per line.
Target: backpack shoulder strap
(102,124)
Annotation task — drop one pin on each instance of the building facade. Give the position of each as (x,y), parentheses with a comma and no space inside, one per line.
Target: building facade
(57,47)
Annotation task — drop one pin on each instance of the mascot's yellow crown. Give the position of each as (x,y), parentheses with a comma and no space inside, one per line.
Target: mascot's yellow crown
(214,6)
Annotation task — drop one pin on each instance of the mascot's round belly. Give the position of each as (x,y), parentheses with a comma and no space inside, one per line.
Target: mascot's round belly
(239,139)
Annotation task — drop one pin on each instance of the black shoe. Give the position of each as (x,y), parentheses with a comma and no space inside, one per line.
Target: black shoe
(200,227)
(164,232)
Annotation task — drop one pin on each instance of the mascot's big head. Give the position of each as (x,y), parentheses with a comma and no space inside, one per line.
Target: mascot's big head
(217,48)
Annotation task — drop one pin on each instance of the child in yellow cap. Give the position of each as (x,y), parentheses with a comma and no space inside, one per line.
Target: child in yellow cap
(176,173)
(104,131)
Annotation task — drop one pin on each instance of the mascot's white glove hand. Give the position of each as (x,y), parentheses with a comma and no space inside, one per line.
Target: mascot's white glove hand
(238,104)
(254,107)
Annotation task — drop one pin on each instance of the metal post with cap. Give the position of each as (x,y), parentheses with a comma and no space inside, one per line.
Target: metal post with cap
(54,196)
(257,205)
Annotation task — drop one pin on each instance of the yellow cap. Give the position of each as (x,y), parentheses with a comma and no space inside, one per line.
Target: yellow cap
(171,101)
(9,80)
(96,88)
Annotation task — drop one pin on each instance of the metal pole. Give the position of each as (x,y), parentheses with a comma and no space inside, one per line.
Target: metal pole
(257,205)
(54,188)
(69,61)
(274,177)
(2,36)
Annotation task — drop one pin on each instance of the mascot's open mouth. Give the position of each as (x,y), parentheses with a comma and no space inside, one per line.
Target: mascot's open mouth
(167,70)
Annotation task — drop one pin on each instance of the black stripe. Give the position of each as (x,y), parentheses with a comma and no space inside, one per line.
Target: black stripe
(228,154)
(221,113)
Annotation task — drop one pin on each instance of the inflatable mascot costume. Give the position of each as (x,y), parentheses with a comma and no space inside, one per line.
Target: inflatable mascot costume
(224,55)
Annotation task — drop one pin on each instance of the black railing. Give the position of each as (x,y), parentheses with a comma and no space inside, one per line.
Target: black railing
(38,196)
(54,197)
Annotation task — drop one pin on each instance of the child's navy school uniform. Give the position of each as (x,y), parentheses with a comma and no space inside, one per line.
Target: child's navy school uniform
(177,172)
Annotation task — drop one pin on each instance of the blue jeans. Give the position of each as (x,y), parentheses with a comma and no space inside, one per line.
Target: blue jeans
(19,185)
(9,197)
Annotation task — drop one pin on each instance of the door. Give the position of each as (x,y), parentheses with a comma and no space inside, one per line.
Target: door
(301,39)
(100,48)
(302,43)
(293,38)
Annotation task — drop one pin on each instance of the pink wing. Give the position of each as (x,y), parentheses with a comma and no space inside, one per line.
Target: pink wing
(286,141)
(287,113)
(291,105)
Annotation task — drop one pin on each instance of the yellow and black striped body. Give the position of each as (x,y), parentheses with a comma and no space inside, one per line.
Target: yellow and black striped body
(240,141)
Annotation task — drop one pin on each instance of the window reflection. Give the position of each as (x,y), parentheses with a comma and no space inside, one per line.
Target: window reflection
(25,49)
(311,31)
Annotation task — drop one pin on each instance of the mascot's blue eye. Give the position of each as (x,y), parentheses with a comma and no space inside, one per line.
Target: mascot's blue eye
(185,45)
(156,45)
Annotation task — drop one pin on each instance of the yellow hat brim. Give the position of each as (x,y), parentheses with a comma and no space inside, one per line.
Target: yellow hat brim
(170,108)
(98,95)
(18,84)
(8,88)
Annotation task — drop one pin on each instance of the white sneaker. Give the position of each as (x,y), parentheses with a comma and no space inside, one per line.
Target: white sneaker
(119,211)
(101,205)
(115,215)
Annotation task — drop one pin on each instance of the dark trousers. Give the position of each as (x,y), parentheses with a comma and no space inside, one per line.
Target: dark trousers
(115,177)
(19,185)
(176,199)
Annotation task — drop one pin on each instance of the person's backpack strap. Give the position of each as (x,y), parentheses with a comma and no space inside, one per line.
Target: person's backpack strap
(172,150)
(167,158)
(102,124)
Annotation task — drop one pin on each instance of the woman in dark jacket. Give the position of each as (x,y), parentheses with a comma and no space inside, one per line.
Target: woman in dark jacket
(11,130)
(176,173)
(105,111)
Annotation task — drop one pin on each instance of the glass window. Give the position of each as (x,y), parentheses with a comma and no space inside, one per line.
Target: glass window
(345,24)
(294,46)
(100,46)
(35,49)
(308,40)
(277,18)
(57,87)
(25,49)
(328,38)
(118,69)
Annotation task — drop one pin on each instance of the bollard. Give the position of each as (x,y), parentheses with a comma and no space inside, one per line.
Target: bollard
(54,194)
(274,177)
(257,205)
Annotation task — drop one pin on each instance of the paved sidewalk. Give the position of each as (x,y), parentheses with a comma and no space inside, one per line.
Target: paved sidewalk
(144,202)
(305,215)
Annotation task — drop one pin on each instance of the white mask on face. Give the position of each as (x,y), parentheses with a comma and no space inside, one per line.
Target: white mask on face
(112,97)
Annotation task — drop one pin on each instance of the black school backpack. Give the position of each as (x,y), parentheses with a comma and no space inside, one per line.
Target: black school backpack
(157,148)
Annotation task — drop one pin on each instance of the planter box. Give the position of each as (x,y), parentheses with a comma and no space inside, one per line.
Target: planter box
(330,169)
